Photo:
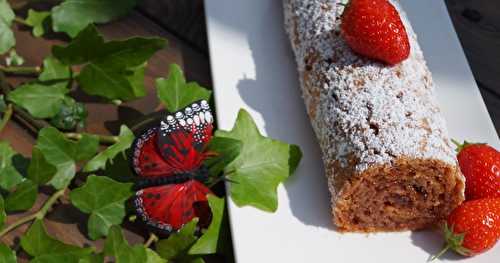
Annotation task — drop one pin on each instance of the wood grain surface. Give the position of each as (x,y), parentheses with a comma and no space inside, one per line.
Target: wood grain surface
(185,18)
(66,222)
(477,23)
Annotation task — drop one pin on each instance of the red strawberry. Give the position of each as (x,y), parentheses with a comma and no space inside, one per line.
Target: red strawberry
(473,227)
(373,28)
(480,165)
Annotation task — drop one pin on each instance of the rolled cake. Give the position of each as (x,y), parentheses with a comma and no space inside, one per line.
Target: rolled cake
(388,159)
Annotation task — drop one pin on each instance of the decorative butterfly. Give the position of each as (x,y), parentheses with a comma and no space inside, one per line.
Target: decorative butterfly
(169,162)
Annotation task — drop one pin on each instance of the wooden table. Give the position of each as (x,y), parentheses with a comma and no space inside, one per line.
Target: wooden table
(182,22)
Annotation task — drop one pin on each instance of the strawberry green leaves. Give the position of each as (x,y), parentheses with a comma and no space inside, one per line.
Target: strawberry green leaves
(104,199)
(40,100)
(44,248)
(114,69)
(125,140)
(7,255)
(175,93)
(63,153)
(7,39)
(72,16)
(116,246)
(262,165)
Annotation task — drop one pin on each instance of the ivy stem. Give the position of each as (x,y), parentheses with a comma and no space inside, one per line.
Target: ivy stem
(152,239)
(38,215)
(6,117)
(21,70)
(21,21)
(103,139)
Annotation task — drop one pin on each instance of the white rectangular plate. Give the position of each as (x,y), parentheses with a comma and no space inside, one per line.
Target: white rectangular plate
(253,68)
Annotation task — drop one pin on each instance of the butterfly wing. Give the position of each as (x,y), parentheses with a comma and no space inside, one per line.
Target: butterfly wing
(146,159)
(177,145)
(169,207)
(183,136)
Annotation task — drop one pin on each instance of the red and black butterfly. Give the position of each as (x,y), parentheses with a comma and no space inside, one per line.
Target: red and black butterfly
(169,162)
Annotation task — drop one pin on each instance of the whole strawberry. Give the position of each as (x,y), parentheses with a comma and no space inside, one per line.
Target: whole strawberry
(473,227)
(480,165)
(373,28)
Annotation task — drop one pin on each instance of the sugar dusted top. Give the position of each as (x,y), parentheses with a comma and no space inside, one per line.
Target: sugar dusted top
(360,108)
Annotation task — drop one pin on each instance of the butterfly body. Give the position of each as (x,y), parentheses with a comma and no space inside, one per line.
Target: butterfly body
(168,160)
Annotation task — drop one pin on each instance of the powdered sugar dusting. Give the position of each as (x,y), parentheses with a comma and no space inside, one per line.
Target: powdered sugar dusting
(360,108)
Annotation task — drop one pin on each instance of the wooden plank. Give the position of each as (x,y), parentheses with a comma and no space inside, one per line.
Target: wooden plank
(185,18)
(65,222)
(493,103)
(477,23)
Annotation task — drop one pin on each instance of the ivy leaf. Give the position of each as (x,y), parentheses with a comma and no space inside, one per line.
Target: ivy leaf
(175,93)
(226,149)
(14,59)
(117,247)
(40,171)
(84,48)
(40,21)
(125,140)
(64,153)
(7,39)
(85,148)
(40,100)
(6,12)
(23,198)
(92,258)
(119,170)
(295,155)
(176,247)
(104,199)
(3,215)
(100,80)
(114,69)
(261,166)
(9,175)
(72,16)
(7,255)
(53,69)
(70,116)
(3,105)
(153,257)
(211,239)
(89,47)
(44,248)
(21,164)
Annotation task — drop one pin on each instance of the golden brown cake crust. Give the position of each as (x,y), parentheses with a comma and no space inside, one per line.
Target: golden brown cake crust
(371,119)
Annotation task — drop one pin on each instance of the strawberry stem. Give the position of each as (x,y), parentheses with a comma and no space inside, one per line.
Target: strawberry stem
(454,241)
(446,247)
(461,146)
